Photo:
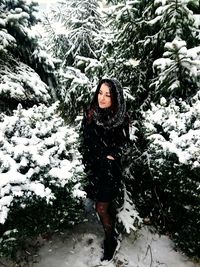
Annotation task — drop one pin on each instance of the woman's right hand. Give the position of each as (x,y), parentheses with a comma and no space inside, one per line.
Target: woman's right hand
(110,157)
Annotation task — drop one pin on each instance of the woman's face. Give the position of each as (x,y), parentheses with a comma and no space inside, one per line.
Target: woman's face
(104,97)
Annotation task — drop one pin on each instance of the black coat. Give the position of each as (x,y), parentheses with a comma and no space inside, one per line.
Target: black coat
(104,175)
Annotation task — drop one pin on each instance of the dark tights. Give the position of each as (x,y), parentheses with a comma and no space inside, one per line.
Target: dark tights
(107,217)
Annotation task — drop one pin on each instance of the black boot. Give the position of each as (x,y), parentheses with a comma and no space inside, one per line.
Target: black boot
(105,251)
(110,248)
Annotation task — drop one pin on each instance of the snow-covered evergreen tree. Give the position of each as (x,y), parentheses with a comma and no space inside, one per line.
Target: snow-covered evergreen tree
(141,30)
(23,62)
(78,44)
(119,59)
(40,172)
(178,72)
(80,23)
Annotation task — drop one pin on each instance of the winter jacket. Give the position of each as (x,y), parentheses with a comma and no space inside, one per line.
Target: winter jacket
(104,175)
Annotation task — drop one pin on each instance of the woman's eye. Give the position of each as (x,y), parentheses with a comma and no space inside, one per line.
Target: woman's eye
(107,95)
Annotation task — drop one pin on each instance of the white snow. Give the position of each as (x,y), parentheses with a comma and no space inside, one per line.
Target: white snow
(128,214)
(5,38)
(32,140)
(39,189)
(77,192)
(16,85)
(197,19)
(81,247)
(14,17)
(184,137)
(62,173)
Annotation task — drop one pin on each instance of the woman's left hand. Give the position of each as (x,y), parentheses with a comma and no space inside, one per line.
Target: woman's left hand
(110,157)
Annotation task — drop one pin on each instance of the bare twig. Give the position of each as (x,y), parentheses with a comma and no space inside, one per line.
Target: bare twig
(149,249)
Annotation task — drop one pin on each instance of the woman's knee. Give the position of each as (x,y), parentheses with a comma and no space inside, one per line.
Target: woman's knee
(102,209)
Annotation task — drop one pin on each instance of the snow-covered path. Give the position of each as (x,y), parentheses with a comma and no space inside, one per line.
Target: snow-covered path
(81,247)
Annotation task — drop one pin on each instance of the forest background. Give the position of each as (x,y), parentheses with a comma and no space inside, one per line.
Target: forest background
(46,81)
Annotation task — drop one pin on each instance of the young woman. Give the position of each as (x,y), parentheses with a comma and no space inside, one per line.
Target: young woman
(105,131)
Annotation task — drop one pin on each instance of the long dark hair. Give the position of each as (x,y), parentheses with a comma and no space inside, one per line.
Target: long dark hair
(94,103)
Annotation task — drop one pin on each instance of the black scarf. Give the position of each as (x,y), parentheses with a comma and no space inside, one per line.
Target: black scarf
(105,117)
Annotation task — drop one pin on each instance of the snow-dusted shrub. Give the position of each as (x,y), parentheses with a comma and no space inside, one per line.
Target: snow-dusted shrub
(39,173)
(173,157)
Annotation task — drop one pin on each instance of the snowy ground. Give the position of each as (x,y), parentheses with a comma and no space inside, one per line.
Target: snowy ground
(82,248)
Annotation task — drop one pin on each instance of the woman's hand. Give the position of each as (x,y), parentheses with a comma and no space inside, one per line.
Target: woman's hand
(110,157)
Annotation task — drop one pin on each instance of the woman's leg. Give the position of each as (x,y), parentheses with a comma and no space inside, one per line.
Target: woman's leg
(108,223)
(105,217)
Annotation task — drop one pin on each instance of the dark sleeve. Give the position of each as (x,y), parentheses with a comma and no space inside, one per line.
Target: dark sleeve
(89,141)
(120,140)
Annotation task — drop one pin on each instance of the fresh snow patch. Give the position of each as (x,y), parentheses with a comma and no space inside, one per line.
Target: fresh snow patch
(81,247)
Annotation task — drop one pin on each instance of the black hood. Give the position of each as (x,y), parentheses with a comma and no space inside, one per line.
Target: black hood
(118,117)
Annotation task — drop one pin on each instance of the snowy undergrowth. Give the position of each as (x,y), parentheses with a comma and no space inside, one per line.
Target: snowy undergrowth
(181,125)
(173,156)
(35,146)
(39,167)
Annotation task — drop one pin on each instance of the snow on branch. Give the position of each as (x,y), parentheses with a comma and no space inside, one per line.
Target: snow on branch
(37,154)
(127,214)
